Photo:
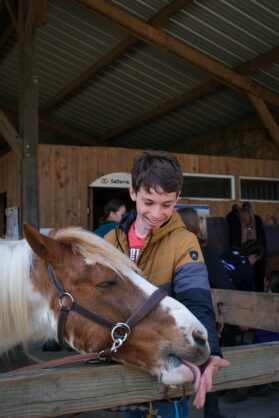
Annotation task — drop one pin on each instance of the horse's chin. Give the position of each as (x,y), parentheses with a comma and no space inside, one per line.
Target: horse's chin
(178,372)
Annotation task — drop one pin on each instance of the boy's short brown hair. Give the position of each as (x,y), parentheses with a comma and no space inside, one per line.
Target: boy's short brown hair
(157,169)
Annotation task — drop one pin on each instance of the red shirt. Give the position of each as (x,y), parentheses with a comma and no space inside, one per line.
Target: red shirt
(135,243)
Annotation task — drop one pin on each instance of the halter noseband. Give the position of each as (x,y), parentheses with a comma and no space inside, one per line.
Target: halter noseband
(119,330)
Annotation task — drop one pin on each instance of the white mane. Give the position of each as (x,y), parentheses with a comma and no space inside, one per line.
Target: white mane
(15,267)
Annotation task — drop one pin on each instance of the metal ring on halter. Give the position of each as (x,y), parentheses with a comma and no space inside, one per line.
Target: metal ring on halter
(70,300)
(124,327)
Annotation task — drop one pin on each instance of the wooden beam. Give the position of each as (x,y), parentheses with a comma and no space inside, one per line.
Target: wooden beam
(6,34)
(11,7)
(264,60)
(28,116)
(251,309)
(69,132)
(30,21)
(197,93)
(161,40)
(36,15)
(167,107)
(266,117)
(10,134)
(51,393)
(42,13)
(55,127)
(157,21)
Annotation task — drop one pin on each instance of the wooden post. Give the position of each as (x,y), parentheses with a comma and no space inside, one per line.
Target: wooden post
(28,112)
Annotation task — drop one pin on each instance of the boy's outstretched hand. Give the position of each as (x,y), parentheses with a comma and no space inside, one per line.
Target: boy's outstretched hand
(210,368)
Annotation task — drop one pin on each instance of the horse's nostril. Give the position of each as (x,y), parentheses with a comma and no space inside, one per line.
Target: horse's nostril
(199,338)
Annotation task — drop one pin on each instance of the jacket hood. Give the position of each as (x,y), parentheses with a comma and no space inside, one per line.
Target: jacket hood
(173,223)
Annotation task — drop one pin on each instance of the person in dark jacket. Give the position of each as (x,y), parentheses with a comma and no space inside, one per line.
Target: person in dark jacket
(156,239)
(239,264)
(113,212)
(244,225)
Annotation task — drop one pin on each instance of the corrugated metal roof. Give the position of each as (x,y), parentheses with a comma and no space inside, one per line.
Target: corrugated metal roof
(231,32)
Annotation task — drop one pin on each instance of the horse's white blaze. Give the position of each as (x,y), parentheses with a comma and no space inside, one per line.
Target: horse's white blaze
(183,317)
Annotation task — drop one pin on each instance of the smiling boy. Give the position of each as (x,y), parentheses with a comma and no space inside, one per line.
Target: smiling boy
(156,239)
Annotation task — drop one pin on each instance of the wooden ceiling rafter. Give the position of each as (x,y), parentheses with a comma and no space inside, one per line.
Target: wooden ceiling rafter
(161,40)
(266,117)
(6,34)
(12,9)
(197,93)
(10,134)
(157,21)
(40,19)
(30,22)
(53,126)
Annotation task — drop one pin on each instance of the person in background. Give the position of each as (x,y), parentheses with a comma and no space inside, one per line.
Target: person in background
(156,239)
(245,225)
(234,225)
(113,212)
(239,264)
(217,274)
(218,278)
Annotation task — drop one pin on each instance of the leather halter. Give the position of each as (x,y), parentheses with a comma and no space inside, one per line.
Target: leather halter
(119,330)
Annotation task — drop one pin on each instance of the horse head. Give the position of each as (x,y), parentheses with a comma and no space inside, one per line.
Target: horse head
(168,342)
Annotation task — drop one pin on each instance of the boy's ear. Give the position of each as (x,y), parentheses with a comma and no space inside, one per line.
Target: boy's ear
(133,194)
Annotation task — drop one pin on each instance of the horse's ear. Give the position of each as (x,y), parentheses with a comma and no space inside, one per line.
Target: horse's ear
(43,246)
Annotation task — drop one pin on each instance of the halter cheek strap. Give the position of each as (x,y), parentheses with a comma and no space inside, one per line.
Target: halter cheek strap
(119,330)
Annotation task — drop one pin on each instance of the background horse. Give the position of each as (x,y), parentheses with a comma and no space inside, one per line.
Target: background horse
(168,342)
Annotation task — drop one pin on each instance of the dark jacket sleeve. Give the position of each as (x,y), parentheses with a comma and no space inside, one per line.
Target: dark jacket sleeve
(191,288)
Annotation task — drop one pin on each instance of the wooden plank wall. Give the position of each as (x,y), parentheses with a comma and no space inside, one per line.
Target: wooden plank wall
(65,173)
(10,178)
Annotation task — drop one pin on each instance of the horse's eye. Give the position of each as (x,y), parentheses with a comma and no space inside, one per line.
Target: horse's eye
(107,284)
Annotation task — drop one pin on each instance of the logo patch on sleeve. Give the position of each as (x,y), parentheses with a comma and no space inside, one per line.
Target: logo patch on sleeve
(194,255)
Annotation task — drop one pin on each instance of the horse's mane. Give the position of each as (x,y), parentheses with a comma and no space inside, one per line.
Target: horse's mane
(15,267)
(96,249)
(16,261)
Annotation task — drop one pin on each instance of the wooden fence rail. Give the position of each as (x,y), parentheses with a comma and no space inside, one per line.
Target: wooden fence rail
(248,309)
(50,393)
